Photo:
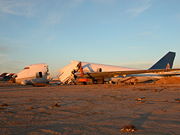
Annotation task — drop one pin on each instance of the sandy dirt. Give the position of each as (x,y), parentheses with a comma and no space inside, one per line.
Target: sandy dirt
(154,109)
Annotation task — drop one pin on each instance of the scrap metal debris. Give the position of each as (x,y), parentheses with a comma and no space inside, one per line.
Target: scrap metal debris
(39,84)
(141,99)
(57,105)
(128,128)
(177,100)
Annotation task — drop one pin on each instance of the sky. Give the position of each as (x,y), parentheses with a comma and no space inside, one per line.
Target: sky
(130,33)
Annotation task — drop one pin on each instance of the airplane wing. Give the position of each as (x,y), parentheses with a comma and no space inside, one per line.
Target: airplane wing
(124,73)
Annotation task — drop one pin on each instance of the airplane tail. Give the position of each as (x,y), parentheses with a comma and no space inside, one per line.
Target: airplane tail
(165,62)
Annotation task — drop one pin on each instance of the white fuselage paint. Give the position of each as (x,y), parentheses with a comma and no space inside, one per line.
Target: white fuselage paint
(65,74)
(33,72)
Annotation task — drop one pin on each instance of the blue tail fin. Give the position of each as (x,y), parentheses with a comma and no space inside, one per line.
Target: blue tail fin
(165,62)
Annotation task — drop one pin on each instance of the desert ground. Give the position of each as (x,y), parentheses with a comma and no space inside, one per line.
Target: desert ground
(103,109)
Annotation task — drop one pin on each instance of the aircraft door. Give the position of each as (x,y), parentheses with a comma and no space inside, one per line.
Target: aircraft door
(39,75)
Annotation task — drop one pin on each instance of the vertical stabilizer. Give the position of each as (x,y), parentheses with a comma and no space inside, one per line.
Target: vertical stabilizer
(165,62)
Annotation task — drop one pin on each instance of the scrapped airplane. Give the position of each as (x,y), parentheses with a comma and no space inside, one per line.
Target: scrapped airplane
(100,73)
(6,76)
(32,74)
(2,76)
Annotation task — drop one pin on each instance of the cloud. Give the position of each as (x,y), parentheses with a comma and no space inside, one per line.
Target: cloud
(142,7)
(48,12)
(17,7)
(60,9)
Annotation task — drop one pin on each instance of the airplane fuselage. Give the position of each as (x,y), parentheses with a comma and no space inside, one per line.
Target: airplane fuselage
(33,73)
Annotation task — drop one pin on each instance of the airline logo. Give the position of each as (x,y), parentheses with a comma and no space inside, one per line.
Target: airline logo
(168,66)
